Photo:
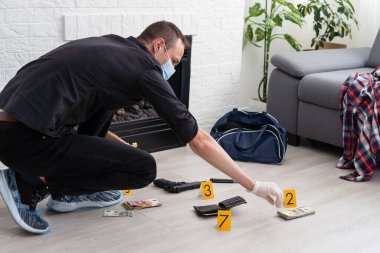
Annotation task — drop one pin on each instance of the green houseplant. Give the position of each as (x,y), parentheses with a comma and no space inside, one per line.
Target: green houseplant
(331,18)
(261,24)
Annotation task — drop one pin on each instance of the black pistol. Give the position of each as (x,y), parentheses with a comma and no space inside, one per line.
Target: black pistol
(175,187)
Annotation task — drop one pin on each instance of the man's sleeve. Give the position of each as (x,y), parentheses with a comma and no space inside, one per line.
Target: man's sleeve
(97,124)
(160,94)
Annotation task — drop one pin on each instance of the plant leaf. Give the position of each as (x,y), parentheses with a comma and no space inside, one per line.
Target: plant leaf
(309,10)
(256,10)
(351,5)
(316,29)
(331,36)
(325,12)
(340,31)
(287,4)
(302,9)
(249,33)
(260,34)
(293,42)
(313,42)
(317,14)
(278,20)
(294,18)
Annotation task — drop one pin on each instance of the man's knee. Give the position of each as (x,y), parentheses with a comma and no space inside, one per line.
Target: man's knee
(150,169)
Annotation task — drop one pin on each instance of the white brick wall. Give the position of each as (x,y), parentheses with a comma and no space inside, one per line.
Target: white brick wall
(30,28)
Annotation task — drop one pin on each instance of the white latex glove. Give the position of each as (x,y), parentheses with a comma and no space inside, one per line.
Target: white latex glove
(269,191)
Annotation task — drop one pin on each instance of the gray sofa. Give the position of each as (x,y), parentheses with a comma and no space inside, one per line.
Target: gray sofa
(304,89)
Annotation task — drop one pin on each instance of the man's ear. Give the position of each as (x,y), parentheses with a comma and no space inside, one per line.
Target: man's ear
(157,44)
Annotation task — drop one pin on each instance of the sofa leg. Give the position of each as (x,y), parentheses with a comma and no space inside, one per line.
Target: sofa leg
(293,139)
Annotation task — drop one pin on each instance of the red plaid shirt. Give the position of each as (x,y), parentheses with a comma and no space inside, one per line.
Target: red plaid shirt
(359,107)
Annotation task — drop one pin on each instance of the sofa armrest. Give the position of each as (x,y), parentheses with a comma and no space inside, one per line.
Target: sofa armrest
(300,64)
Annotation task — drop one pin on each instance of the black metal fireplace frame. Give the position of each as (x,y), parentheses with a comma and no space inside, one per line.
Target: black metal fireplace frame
(154,134)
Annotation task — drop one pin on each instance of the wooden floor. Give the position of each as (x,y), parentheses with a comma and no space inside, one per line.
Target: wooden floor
(347,215)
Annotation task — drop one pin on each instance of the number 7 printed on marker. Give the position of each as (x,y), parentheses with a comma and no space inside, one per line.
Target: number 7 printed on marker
(224,220)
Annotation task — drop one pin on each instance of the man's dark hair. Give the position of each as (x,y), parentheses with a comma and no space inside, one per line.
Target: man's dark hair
(163,29)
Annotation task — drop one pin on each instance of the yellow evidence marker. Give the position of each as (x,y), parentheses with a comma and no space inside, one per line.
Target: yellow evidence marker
(207,190)
(134,144)
(290,199)
(224,220)
(127,192)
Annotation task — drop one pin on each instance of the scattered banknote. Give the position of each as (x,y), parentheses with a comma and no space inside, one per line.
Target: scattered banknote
(140,204)
(115,213)
(298,212)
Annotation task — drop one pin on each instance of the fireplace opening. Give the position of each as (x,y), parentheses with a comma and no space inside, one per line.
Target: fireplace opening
(141,124)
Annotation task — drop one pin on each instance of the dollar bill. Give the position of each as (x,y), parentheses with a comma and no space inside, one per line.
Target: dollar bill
(115,213)
(298,212)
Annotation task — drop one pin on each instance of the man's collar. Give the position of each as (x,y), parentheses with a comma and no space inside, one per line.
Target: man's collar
(138,43)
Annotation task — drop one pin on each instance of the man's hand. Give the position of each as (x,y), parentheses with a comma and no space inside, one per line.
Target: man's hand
(270,192)
(113,137)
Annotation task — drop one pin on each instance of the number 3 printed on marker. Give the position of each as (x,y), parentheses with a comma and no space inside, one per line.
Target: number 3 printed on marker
(207,190)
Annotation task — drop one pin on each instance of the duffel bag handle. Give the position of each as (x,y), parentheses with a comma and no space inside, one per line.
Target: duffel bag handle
(238,135)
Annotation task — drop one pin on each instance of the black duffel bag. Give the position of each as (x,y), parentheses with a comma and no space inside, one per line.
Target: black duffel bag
(251,137)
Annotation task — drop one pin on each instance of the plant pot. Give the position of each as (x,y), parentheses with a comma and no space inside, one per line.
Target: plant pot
(255,105)
(330,45)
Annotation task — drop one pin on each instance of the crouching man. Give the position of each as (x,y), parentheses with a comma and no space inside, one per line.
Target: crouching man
(81,84)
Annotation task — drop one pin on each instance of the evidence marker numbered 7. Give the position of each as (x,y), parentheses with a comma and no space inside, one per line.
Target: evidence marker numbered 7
(224,220)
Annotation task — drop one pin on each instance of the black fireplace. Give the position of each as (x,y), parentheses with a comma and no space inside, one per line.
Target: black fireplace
(149,131)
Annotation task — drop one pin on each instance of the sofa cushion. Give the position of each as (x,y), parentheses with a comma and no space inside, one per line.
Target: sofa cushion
(323,89)
(300,64)
(374,56)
